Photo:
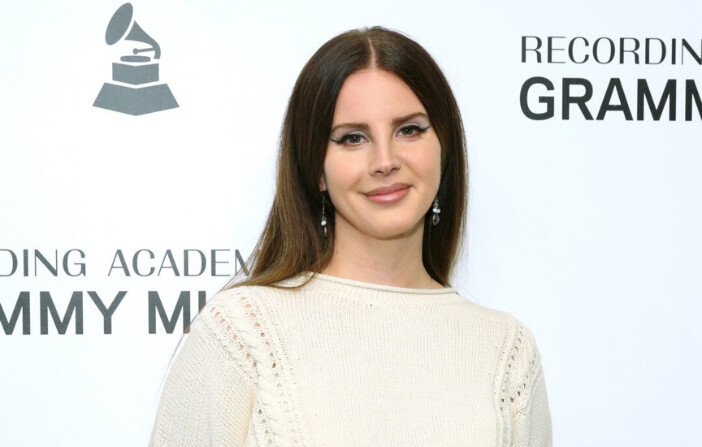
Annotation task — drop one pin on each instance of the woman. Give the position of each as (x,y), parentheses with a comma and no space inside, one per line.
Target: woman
(346,332)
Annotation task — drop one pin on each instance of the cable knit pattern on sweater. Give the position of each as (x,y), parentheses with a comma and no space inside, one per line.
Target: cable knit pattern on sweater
(341,363)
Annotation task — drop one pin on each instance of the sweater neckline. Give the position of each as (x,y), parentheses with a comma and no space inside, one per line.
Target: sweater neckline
(373,286)
(378,294)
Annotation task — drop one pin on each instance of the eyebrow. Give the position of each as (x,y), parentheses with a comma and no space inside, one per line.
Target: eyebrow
(395,121)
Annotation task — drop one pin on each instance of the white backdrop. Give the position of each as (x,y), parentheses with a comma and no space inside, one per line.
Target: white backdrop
(588,231)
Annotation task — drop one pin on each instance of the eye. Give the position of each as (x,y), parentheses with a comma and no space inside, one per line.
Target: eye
(350,138)
(411,130)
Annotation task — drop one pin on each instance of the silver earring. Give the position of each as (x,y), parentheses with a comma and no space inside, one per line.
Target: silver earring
(324,217)
(436,210)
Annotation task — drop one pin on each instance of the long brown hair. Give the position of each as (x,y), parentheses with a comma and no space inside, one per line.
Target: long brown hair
(292,241)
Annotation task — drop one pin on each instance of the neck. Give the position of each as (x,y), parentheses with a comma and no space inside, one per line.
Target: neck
(392,262)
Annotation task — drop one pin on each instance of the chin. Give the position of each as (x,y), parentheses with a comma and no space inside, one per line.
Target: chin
(396,230)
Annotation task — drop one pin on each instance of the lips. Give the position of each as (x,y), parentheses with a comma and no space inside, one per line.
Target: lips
(388,194)
(387,189)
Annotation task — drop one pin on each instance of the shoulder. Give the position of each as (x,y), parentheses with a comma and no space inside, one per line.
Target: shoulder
(520,358)
(229,322)
(235,303)
(522,364)
(228,298)
(501,324)
(515,331)
(516,338)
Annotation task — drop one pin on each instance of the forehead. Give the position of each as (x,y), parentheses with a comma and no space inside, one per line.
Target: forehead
(375,94)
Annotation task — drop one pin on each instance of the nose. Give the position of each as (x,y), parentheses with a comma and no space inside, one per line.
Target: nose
(384,159)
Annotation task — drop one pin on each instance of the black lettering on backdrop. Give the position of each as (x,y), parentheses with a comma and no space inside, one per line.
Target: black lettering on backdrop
(644,95)
(69,313)
(607,50)
(122,264)
(580,101)
(50,263)
(548,100)
(696,56)
(143,263)
(551,48)
(535,49)
(135,262)
(661,51)
(186,262)
(46,306)
(21,306)
(182,307)
(215,261)
(74,311)
(614,99)
(107,312)
(571,50)
(634,51)
(13,256)
(596,51)
(53,269)
(238,262)
(171,264)
(691,94)
(614,85)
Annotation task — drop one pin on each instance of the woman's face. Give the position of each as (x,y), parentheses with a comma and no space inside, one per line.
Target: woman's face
(383,161)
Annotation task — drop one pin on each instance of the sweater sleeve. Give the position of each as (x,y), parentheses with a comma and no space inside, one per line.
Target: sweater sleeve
(531,418)
(208,394)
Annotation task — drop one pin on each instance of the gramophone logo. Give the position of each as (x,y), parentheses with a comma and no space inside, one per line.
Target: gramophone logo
(136,90)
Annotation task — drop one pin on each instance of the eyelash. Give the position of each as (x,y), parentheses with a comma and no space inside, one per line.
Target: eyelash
(417,130)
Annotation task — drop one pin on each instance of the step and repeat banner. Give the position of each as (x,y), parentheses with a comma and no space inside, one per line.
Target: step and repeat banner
(137,155)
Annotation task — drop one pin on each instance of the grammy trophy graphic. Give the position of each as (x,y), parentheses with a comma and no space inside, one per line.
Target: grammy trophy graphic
(135,89)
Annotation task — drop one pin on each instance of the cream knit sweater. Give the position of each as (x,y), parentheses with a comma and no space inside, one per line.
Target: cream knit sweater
(346,363)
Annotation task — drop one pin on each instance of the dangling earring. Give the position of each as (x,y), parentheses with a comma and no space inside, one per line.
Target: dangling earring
(436,210)
(324,217)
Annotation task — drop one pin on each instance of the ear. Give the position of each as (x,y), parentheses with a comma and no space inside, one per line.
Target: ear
(322,183)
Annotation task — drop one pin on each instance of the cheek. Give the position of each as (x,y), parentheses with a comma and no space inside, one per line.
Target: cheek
(342,170)
(340,173)
(427,162)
